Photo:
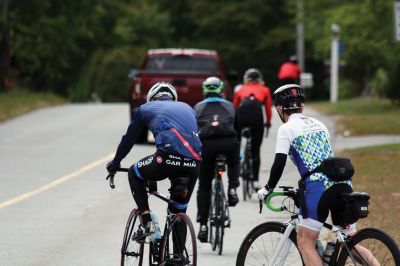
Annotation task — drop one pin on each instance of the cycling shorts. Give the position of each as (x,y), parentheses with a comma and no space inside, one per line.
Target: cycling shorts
(159,166)
(319,201)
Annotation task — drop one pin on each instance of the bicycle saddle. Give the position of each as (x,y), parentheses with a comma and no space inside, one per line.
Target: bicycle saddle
(355,196)
(221,158)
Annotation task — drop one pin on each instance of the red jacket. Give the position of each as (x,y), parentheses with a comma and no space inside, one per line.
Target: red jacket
(261,92)
(289,70)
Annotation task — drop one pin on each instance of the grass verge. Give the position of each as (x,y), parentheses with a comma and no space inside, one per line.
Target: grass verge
(363,116)
(377,173)
(18,102)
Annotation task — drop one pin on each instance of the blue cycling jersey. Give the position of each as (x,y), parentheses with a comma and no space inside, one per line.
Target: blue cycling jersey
(173,125)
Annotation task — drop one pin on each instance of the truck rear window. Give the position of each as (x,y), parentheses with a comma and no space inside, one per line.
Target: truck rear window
(181,63)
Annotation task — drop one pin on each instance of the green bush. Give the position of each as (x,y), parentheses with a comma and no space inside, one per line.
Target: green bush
(347,89)
(110,81)
(82,91)
(379,82)
(105,77)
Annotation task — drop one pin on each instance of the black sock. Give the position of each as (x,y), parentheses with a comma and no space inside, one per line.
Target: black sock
(146,218)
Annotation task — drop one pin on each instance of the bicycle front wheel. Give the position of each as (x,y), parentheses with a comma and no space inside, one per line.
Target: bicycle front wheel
(132,251)
(260,247)
(179,244)
(213,228)
(370,246)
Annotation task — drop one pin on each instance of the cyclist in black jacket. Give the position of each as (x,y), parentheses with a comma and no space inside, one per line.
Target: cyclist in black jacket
(215,118)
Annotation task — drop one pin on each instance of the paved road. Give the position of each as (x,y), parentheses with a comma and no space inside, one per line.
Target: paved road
(55,205)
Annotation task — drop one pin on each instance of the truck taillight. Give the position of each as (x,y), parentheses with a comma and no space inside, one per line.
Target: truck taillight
(137,89)
(137,85)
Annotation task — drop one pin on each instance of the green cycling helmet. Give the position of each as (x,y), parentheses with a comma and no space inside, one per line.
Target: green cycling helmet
(213,87)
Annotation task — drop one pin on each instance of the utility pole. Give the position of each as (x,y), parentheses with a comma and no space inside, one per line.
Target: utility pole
(300,35)
(334,63)
(396,7)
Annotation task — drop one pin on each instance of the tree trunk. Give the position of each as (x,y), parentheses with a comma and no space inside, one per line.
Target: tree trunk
(5,49)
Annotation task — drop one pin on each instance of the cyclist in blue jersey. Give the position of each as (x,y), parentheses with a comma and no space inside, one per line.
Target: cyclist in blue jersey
(306,141)
(216,120)
(177,155)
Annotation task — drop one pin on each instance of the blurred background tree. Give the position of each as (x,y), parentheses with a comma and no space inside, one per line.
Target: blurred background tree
(78,48)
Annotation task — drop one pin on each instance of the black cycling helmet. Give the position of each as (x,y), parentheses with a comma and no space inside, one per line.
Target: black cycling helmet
(289,96)
(213,87)
(161,89)
(293,58)
(252,74)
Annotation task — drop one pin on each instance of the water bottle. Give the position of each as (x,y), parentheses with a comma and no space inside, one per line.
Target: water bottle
(329,250)
(320,248)
(157,231)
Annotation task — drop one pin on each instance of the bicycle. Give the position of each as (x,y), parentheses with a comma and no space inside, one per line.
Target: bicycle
(173,248)
(246,166)
(274,243)
(219,212)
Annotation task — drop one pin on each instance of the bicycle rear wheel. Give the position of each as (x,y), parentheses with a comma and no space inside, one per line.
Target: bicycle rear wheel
(179,244)
(221,220)
(261,243)
(214,219)
(370,246)
(132,251)
(244,188)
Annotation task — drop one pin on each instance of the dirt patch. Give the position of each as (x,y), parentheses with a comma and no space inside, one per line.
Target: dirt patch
(377,172)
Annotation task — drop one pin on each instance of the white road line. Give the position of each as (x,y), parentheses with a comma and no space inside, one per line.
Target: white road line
(56,182)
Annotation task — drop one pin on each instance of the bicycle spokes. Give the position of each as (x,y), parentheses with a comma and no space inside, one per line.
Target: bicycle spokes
(180,244)
(132,251)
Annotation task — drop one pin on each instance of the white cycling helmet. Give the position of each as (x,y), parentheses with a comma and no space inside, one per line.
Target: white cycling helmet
(161,89)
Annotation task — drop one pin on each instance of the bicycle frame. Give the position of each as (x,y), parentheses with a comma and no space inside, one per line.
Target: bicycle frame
(249,157)
(285,243)
(218,186)
(218,209)
(170,217)
(246,166)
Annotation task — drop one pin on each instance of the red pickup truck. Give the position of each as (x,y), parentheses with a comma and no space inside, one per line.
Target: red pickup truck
(185,69)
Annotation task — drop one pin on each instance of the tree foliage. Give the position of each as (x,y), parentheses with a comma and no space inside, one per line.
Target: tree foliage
(76,48)
(366,32)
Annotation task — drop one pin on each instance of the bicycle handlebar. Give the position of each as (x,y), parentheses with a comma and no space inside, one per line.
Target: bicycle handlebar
(268,198)
(110,176)
(287,192)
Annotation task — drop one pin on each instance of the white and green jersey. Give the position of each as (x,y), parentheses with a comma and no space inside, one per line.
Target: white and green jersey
(306,141)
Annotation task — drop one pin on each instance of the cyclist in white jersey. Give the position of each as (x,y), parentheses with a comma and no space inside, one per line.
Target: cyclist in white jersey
(306,141)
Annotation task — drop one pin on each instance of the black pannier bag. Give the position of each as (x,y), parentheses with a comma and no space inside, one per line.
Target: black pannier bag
(336,168)
(355,207)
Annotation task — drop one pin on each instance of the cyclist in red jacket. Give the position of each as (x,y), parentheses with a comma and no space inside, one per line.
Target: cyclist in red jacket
(289,72)
(248,100)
